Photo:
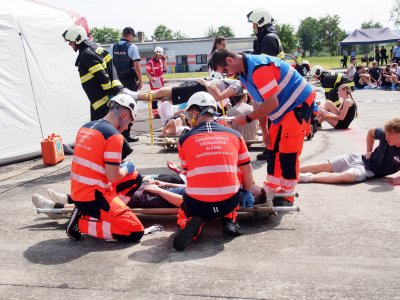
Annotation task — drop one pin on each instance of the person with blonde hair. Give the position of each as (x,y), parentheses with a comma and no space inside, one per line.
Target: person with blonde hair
(341,117)
(355,167)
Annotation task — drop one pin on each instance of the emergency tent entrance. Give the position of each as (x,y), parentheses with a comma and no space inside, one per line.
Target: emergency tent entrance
(40,90)
(371,36)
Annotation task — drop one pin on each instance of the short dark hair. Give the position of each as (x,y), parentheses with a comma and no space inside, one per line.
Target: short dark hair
(219,56)
(128,30)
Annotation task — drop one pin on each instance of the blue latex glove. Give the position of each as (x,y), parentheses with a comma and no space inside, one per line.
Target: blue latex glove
(129,166)
(247,199)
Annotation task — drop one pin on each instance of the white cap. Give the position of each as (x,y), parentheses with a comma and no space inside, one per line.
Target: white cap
(158,50)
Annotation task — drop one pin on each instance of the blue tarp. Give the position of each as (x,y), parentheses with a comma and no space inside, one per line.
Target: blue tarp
(371,36)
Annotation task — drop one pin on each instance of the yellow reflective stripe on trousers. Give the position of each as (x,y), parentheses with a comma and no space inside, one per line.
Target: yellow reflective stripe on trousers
(100,102)
(86,77)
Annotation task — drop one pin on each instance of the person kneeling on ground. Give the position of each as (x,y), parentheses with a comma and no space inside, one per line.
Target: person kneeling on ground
(212,156)
(97,177)
(339,118)
(349,168)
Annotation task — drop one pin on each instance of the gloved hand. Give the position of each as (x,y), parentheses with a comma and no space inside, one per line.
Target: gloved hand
(247,199)
(129,166)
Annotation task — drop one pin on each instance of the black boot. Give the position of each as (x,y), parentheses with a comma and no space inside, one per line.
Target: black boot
(262,156)
(185,236)
(231,228)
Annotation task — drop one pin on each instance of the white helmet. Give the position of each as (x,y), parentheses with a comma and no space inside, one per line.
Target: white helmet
(158,50)
(204,100)
(125,101)
(75,34)
(215,75)
(260,17)
(316,70)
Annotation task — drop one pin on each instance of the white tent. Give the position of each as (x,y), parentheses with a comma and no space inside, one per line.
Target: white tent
(40,90)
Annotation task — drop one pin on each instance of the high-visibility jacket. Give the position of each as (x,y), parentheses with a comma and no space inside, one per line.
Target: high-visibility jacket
(331,81)
(155,67)
(97,143)
(268,42)
(266,75)
(211,154)
(98,76)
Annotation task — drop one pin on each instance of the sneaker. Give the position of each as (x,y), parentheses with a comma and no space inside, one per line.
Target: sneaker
(185,236)
(262,156)
(72,228)
(42,202)
(231,228)
(132,139)
(281,201)
(57,197)
(305,177)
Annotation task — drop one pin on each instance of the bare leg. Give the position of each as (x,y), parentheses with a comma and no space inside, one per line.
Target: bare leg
(165,91)
(317,168)
(329,106)
(169,128)
(345,177)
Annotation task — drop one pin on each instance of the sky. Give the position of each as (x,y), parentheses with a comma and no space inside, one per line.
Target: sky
(193,18)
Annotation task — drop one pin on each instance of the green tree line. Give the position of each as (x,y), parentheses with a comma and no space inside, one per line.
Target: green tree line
(314,35)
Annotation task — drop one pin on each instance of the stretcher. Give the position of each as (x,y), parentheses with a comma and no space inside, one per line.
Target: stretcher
(170,142)
(260,208)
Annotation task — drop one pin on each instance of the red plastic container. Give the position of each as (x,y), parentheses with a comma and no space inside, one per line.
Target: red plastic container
(52,150)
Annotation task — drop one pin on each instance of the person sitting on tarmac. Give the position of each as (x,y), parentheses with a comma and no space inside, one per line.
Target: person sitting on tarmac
(339,118)
(240,106)
(349,168)
(330,81)
(362,79)
(220,88)
(211,155)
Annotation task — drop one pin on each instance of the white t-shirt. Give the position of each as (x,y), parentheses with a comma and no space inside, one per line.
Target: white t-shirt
(166,111)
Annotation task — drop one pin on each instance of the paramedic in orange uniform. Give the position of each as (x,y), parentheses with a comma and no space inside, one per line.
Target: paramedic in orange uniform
(99,180)
(212,156)
(282,95)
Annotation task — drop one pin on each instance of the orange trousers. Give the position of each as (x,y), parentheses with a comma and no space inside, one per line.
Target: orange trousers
(286,145)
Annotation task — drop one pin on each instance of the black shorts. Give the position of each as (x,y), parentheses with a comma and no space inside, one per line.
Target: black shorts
(209,210)
(182,93)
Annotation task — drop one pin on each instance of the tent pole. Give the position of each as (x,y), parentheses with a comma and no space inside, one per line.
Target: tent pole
(30,80)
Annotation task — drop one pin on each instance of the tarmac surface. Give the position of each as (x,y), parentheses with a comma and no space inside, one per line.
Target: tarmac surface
(344,243)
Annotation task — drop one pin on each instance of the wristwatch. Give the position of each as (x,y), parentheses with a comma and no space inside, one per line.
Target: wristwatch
(248,119)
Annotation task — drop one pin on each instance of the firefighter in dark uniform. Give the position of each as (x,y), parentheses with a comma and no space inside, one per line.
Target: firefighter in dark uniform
(267,41)
(330,81)
(126,60)
(98,76)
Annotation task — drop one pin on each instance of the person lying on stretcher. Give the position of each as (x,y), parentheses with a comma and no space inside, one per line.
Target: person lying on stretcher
(156,191)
